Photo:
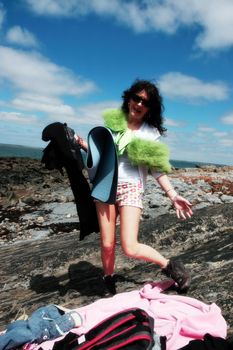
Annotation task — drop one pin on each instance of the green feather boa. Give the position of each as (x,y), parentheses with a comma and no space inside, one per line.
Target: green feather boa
(149,153)
(152,154)
(115,120)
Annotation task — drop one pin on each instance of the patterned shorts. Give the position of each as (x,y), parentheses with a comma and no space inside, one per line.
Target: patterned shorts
(129,194)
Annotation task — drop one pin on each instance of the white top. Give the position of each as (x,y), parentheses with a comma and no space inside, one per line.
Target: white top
(129,173)
(126,171)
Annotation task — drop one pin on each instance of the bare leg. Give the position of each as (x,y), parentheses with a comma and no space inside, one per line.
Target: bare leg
(107,215)
(129,219)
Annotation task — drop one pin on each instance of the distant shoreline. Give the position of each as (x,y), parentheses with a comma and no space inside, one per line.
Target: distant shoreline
(18,151)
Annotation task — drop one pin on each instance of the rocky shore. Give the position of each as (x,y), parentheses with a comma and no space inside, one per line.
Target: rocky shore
(42,260)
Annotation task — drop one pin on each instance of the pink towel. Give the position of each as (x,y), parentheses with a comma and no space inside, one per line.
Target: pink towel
(182,318)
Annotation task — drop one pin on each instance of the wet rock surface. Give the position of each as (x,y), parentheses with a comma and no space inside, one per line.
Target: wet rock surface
(43,261)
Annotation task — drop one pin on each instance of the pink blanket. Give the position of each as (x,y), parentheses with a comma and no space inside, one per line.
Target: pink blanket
(177,317)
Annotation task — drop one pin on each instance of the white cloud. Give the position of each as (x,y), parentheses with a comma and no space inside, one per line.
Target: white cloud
(92,113)
(45,104)
(228,119)
(74,8)
(38,75)
(220,134)
(21,36)
(172,122)
(56,110)
(18,118)
(55,7)
(39,86)
(227,143)
(206,129)
(176,85)
(216,19)
(213,20)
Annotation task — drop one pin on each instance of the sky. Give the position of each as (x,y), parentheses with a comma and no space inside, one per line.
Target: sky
(68,61)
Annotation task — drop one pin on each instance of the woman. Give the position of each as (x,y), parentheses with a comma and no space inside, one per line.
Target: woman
(136,129)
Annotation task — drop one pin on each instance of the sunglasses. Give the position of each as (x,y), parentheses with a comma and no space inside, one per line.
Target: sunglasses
(137,99)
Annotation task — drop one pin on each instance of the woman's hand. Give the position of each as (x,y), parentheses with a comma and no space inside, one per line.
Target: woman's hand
(182,206)
(82,143)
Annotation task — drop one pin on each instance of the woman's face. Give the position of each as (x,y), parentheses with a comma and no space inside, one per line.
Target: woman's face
(138,105)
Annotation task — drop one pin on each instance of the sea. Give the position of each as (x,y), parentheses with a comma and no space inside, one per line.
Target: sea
(8,150)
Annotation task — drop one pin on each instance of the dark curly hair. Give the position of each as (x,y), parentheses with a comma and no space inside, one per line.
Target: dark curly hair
(154,115)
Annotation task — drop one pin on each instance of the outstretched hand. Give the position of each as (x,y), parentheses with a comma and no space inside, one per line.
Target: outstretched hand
(183,207)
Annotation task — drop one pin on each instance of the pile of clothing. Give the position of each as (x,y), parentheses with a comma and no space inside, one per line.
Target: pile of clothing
(185,322)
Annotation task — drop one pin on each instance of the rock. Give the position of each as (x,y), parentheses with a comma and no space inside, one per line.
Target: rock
(40,220)
(43,261)
(226,199)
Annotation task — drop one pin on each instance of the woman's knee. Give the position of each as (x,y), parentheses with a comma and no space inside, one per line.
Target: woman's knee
(108,247)
(130,250)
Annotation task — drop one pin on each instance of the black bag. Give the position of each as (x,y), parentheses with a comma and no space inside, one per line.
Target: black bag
(131,329)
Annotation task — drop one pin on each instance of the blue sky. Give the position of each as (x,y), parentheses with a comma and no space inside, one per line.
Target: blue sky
(68,61)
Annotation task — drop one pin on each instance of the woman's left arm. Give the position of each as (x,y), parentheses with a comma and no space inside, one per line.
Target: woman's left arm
(182,205)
